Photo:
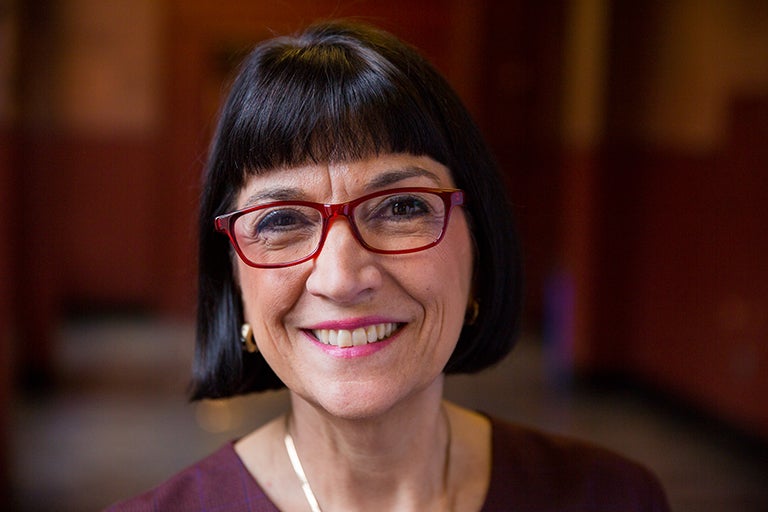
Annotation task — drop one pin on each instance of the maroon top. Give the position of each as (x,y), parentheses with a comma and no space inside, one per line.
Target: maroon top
(531,472)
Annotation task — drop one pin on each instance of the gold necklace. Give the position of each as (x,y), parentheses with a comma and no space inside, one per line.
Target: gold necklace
(290,447)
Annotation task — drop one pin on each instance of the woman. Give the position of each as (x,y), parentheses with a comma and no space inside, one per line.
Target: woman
(356,246)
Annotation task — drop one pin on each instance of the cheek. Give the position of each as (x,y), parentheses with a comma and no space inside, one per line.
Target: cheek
(457,260)
(451,281)
(268,294)
(444,280)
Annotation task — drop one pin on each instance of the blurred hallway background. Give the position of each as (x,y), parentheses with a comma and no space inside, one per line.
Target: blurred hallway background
(633,140)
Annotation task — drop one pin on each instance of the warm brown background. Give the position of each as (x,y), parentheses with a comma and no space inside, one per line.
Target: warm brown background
(633,136)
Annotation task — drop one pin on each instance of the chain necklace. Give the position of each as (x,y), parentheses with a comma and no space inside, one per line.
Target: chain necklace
(296,463)
(290,447)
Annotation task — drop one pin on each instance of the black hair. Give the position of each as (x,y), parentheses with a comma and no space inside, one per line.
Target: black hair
(342,91)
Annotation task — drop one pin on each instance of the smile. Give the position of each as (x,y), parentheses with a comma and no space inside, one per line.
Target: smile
(355,337)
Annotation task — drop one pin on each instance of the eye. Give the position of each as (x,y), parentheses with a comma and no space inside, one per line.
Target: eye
(281,220)
(402,208)
(408,207)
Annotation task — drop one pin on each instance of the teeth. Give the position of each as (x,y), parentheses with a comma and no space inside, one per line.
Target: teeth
(345,339)
(359,337)
(356,337)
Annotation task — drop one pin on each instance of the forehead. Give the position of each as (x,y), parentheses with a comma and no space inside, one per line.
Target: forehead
(337,182)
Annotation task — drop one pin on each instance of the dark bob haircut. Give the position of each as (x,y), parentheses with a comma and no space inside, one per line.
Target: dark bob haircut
(343,91)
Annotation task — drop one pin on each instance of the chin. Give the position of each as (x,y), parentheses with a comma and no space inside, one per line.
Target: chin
(357,406)
(366,401)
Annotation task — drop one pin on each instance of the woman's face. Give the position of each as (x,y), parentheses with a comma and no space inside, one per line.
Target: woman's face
(346,288)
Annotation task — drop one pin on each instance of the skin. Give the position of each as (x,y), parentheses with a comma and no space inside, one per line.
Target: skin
(370,430)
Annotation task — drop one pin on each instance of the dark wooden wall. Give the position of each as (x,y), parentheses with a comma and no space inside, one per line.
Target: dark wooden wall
(7,323)
(680,277)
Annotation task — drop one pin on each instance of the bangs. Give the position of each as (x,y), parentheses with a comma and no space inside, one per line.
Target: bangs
(326,103)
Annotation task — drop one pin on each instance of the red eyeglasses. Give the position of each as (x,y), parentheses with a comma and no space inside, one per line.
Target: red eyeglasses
(394,221)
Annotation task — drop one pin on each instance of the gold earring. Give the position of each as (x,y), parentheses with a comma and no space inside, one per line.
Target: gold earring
(246,338)
(473,310)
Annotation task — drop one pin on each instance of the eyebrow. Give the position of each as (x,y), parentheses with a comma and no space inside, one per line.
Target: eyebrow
(381,181)
(394,176)
(274,194)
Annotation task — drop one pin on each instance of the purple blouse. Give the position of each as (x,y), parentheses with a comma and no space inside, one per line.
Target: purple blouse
(531,472)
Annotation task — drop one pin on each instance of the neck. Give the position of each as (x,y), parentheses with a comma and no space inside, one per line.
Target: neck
(397,460)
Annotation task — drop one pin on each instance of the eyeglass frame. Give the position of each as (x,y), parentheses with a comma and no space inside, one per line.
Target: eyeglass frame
(450,196)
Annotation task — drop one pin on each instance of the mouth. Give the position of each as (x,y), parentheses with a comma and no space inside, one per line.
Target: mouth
(344,338)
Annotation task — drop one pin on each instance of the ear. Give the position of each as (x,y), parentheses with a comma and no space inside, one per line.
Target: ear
(233,262)
(237,290)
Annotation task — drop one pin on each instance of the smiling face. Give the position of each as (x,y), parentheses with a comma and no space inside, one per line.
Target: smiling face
(401,314)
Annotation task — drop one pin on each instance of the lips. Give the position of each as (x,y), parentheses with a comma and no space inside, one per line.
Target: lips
(355,337)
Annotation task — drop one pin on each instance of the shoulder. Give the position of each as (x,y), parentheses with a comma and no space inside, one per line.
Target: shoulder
(540,471)
(218,482)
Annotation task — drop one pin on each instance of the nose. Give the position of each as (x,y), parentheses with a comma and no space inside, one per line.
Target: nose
(343,271)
